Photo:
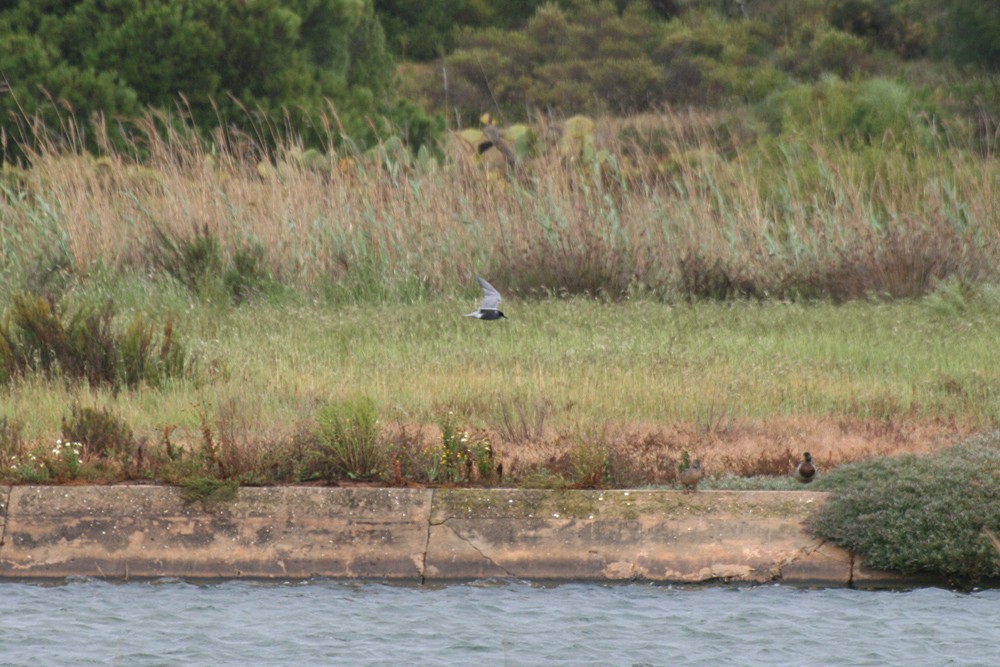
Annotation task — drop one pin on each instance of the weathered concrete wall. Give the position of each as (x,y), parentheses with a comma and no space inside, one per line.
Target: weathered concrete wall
(147,531)
(422,535)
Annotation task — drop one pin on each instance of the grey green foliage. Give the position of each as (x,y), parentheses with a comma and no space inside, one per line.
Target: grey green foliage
(920,513)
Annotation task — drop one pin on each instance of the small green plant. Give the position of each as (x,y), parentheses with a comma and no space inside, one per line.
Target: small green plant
(30,468)
(99,431)
(208,490)
(462,456)
(919,513)
(146,359)
(63,463)
(685,461)
(65,460)
(454,458)
(247,276)
(349,442)
(590,462)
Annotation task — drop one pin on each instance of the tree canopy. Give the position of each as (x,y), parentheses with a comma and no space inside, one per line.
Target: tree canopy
(219,61)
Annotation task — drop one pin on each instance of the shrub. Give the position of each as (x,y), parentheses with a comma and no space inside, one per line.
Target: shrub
(144,358)
(192,262)
(855,112)
(199,264)
(883,107)
(972,32)
(839,52)
(248,275)
(590,462)
(85,345)
(919,513)
(349,442)
(872,19)
(101,432)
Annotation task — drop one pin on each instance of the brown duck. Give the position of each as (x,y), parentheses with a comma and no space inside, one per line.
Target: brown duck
(690,476)
(805,471)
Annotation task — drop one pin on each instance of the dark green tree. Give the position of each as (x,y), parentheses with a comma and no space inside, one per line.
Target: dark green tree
(251,63)
(972,32)
(417,29)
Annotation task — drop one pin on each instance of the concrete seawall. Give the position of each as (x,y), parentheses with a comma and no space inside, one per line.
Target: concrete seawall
(422,535)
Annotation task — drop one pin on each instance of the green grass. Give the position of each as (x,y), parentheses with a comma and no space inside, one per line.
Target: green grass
(595,363)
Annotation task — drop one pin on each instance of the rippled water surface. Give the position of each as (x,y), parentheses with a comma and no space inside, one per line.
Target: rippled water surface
(330,623)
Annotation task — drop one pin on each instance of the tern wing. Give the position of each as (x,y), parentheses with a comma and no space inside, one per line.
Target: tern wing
(491,297)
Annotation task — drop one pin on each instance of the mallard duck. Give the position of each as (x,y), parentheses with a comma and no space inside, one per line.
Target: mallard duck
(805,471)
(690,476)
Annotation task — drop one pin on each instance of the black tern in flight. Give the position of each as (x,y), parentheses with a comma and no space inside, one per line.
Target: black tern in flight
(491,299)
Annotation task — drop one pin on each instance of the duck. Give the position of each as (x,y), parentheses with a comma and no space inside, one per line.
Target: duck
(805,471)
(690,475)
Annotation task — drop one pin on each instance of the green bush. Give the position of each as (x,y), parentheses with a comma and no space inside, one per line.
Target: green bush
(919,513)
(882,108)
(872,19)
(247,276)
(839,52)
(856,112)
(349,442)
(419,30)
(193,262)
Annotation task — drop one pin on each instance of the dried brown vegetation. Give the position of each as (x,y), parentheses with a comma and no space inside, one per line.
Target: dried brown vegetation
(690,204)
(640,454)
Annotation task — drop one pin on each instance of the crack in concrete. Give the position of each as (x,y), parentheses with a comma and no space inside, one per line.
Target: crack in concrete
(427,540)
(777,573)
(477,549)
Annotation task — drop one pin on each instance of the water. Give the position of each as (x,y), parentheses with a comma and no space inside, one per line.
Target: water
(331,623)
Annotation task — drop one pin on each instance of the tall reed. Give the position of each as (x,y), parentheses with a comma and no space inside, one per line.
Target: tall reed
(682,205)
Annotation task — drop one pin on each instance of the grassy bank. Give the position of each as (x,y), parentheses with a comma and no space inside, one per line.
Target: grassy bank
(674,283)
(744,386)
